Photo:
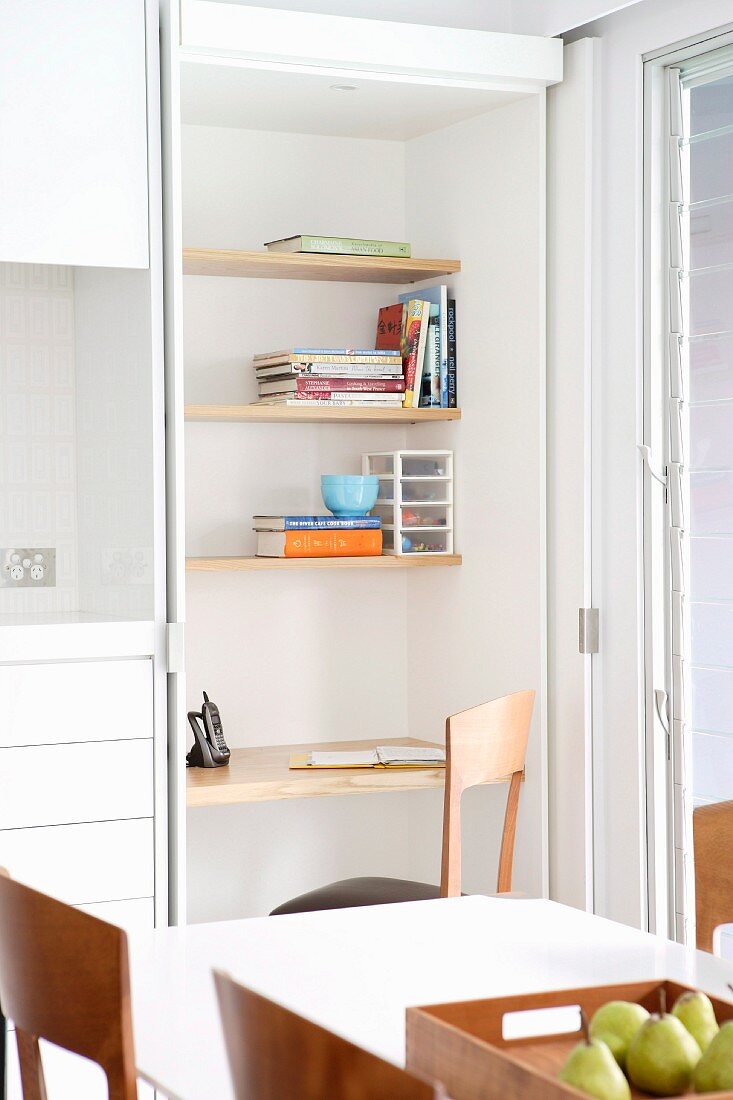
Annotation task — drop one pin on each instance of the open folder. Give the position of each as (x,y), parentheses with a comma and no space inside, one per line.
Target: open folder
(383,756)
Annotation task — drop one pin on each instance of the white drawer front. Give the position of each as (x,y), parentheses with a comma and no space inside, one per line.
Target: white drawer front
(104,861)
(48,704)
(68,1077)
(137,915)
(65,784)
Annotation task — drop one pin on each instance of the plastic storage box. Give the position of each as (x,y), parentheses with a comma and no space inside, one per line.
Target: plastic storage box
(415,500)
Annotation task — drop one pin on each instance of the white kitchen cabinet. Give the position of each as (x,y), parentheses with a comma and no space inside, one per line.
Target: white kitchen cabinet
(99,861)
(73,133)
(94,781)
(65,701)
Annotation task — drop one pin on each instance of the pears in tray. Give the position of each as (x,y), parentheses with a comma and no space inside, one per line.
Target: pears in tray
(665,1054)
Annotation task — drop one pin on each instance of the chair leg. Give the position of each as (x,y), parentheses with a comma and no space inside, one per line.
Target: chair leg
(31,1068)
(506,858)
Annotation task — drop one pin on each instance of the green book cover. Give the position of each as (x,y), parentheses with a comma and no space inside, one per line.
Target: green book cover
(345,246)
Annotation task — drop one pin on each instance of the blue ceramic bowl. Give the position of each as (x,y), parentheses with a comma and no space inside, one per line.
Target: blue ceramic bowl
(346,495)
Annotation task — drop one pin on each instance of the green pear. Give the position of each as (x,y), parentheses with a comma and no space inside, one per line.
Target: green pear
(616,1023)
(696,1012)
(714,1071)
(591,1068)
(662,1057)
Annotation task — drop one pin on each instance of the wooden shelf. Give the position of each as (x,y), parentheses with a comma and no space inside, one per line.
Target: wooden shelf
(262,775)
(308,265)
(288,414)
(385,561)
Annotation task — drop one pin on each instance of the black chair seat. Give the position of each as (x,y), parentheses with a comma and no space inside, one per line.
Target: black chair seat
(351,892)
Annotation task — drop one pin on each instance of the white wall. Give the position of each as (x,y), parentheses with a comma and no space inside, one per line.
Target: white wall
(477,633)
(626,36)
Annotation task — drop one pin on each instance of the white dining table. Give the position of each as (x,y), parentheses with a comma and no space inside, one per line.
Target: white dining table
(356,971)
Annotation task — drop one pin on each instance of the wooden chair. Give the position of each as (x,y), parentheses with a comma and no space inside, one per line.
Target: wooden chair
(484,744)
(712,835)
(274,1054)
(64,977)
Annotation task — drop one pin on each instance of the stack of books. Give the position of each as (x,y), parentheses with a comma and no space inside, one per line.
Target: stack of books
(318,536)
(362,377)
(422,325)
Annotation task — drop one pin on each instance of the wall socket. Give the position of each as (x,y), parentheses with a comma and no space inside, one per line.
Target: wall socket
(27,567)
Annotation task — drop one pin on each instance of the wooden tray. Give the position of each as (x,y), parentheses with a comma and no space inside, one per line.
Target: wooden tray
(462,1045)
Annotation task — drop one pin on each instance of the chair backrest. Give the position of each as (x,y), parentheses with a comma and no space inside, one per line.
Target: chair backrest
(274,1054)
(485,744)
(712,836)
(64,977)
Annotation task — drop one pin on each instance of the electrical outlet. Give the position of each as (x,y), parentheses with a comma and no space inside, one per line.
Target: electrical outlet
(133,565)
(27,567)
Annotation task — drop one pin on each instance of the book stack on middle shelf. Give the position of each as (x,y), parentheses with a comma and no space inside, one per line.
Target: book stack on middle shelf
(331,377)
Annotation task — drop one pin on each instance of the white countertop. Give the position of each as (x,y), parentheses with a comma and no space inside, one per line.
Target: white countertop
(355,971)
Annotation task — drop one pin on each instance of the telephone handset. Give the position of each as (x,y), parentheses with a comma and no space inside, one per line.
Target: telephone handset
(209,747)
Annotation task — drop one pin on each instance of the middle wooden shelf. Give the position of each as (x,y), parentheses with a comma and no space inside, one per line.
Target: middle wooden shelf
(315,414)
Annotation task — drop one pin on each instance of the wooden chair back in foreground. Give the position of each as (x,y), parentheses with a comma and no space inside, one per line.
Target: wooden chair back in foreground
(484,744)
(64,977)
(274,1054)
(712,835)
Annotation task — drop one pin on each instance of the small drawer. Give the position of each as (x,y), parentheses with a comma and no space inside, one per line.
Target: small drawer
(426,542)
(66,784)
(426,465)
(425,491)
(380,465)
(422,516)
(41,703)
(83,863)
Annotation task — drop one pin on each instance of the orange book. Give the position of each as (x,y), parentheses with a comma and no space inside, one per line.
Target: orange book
(319,544)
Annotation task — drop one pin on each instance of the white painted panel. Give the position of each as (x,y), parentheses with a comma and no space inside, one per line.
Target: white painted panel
(68,1077)
(570,142)
(48,704)
(83,863)
(134,915)
(64,784)
(73,174)
(504,60)
(712,756)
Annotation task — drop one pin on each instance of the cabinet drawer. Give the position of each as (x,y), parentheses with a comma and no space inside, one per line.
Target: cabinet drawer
(66,784)
(136,915)
(79,864)
(48,704)
(67,1075)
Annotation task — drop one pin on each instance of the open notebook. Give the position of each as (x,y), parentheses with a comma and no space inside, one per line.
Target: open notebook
(383,756)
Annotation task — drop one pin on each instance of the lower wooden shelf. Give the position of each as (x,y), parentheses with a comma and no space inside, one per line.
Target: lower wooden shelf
(385,561)
(262,775)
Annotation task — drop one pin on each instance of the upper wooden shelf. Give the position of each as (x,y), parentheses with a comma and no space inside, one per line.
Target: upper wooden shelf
(263,775)
(383,561)
(309,265)
(309,413)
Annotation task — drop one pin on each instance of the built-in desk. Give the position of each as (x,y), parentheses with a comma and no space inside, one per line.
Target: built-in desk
(262,775)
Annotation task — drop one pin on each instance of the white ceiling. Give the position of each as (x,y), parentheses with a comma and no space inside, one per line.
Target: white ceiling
(231,95)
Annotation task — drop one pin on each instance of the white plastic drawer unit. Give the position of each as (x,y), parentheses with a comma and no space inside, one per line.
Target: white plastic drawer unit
(68,784)
(67,701)
(83,864)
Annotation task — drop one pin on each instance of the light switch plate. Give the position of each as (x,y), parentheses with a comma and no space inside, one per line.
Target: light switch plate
(27,567)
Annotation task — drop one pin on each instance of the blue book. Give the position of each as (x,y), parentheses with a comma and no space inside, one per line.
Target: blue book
(316,523)
(361,352)
(437,296)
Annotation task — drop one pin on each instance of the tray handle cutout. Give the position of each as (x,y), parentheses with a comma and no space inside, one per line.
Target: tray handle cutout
(530,1023)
